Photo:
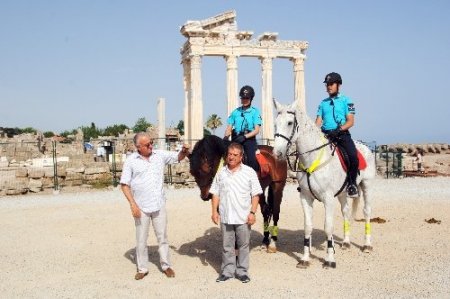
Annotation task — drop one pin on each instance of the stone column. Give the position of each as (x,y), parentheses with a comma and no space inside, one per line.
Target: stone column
(196,107)
(266,95)
(187,97)
(299,82)
(161,123)
(232,83)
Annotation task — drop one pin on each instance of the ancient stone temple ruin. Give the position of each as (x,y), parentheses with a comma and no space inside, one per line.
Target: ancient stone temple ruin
(219,36)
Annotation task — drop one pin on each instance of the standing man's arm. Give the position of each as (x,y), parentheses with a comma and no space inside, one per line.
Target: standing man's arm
(135,211)
(214,206)
(184,152)
(251,219)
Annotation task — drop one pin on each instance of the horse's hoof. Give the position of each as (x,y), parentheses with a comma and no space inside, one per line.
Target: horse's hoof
(346,246)
(328,264)
(303,264)
(271,249)
(367,248)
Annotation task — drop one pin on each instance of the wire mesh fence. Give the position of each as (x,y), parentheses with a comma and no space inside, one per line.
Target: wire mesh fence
(36,166)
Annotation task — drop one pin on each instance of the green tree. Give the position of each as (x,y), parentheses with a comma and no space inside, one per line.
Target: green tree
(213,122)
(67,133)
(90,132)
(115,130)
(27,130)
(141,125)
(48,134)
(180,127)
(206,132)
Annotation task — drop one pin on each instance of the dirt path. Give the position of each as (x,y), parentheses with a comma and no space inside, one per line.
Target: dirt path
(82,246)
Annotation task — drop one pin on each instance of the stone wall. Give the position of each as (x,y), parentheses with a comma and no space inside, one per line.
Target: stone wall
(22,178)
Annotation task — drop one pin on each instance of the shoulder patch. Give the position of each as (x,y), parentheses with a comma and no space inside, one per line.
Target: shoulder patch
(351,107)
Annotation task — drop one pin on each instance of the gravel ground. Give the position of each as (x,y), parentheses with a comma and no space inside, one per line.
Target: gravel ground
(81,245)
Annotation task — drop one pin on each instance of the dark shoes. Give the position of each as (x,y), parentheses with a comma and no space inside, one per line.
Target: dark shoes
(222,278)
(169,272)
(139,276)
(352,191)
(243,278)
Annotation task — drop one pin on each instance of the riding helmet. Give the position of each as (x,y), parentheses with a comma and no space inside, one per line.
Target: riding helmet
(247,92)
(333,78)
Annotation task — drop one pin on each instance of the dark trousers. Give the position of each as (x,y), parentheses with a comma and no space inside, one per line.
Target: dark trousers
(250,147)
(345,141)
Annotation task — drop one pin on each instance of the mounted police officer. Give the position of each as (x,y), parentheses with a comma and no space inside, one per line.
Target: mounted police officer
(335,116)
(244,124)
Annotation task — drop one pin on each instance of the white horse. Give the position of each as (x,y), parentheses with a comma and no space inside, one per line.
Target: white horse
(321,176)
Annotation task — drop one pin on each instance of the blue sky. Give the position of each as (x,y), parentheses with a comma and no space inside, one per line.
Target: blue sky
(65,64)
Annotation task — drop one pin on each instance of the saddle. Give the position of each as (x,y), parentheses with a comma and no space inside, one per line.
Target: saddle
(344,159)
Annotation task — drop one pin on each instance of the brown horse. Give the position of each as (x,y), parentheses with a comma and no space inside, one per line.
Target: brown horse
(204,163)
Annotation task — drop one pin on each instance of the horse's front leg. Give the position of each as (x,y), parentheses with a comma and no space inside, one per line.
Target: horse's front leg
(307,204)
(275,197)
(367,214)
(267,213)
(329,227)
(345,209)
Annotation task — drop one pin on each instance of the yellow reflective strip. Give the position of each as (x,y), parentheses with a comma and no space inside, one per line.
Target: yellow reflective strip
(367,228)
(273,230)
(266,226)
(346,226)
(315,163)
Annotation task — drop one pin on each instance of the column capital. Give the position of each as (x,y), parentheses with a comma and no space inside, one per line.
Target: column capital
(298,63)
(196,61)
(231,61)
(266,62)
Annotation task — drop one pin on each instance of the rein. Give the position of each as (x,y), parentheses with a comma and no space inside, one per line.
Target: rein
(315,165)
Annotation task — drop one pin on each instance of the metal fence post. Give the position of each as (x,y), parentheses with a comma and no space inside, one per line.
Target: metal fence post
(399,164)
(114,170)
(55,167)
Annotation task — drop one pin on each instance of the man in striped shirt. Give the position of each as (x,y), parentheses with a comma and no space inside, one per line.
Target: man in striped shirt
(142,183)
(235,191)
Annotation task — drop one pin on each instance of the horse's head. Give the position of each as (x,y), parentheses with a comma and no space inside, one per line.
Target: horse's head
(286,128)
(204,162)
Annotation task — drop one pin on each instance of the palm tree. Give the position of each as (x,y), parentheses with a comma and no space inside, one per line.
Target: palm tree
(213,122)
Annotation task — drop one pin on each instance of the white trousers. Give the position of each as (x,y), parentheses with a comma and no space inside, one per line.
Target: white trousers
(159,222)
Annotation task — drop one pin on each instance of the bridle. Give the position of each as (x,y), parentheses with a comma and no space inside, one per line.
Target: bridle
(297,155)
(211,170)
(294,128)
(298,167)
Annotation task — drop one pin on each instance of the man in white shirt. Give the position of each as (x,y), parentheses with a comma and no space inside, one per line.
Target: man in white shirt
(142,183)
(235,191)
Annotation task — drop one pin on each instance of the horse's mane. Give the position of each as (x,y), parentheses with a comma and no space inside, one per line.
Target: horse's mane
(210,146)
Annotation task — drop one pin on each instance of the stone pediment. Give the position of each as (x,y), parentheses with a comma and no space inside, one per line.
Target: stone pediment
(220,23)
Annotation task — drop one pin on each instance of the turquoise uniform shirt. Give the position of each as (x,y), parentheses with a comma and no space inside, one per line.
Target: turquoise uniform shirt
(244,121)
(334,111)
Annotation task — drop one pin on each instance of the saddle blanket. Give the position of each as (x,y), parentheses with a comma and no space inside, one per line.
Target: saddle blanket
(361,159)
(263,164)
